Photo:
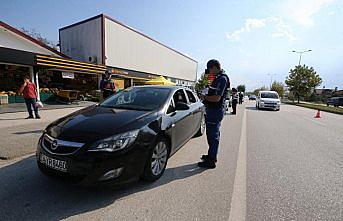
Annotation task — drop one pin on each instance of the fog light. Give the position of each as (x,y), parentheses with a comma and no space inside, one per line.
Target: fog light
(111,174)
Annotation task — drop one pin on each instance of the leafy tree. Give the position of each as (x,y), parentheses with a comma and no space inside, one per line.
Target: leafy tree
(202,82)
(278,87)
(34,34)
(241,88)
(256,91)
(302,80)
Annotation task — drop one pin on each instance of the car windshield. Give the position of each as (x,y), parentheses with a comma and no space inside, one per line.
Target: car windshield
(269,95)
(138,98)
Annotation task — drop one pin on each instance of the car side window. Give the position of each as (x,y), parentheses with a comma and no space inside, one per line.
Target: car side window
(191,96)
(171,107)
(180,96)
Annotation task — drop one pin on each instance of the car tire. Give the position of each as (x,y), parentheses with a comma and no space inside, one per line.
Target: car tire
(202,128)
(157,160)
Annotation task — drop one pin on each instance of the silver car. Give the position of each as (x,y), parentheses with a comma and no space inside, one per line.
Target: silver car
(268,100)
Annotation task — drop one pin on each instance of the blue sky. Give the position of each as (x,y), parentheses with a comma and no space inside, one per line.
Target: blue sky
(251,38)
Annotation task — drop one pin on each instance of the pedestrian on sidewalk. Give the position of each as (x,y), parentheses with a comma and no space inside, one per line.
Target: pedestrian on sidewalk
(29,91)
(215,110)
(234,101)
(107,86)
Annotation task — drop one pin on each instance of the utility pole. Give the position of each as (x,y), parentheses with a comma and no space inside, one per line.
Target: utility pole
(300,54)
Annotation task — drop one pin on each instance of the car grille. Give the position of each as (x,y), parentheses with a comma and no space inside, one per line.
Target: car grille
(60,147)
(270,104)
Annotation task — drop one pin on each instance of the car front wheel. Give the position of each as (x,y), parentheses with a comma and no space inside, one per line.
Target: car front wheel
(157,160)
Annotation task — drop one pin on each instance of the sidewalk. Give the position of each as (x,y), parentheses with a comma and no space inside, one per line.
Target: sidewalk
(20,107)
(19,137)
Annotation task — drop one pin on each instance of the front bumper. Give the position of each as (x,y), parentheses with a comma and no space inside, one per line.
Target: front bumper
(87,168)
(270,106)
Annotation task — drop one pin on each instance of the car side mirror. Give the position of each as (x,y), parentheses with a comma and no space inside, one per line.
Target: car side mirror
(180,106)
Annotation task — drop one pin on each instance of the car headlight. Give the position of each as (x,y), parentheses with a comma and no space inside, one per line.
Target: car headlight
(262,102)
(116,142)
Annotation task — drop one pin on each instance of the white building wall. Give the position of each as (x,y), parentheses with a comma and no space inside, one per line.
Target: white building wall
(127,49)
(12,40)
(83,41)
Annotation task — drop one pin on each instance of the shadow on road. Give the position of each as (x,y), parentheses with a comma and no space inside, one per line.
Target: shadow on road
(255,109)
(251,108)
(29,132)
(26,194)
(17,118)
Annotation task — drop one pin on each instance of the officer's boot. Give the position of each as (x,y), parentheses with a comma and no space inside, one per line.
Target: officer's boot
(209,164)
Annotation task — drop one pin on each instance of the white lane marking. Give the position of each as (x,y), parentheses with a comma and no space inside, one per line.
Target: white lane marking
(238,201)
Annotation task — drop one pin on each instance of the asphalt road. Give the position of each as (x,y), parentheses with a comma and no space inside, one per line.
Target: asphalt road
(272,166)
(19,136)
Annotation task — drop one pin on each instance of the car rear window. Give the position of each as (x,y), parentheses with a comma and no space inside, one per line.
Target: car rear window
(191,96)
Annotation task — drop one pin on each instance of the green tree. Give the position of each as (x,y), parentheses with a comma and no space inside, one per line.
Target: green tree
(202,82)
(241,88)
(256,91)
(278,87)
(302,80)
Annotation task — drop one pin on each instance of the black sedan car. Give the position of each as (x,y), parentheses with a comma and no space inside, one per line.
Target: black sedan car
(129,136)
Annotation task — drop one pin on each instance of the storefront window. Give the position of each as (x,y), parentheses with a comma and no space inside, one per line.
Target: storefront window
(11,77)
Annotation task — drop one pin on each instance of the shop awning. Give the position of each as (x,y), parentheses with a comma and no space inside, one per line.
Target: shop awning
(69,64)
(159,81)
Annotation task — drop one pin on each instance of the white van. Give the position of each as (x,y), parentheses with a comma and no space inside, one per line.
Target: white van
(268,100)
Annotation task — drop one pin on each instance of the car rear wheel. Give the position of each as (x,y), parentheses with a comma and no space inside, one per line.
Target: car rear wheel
(157,160)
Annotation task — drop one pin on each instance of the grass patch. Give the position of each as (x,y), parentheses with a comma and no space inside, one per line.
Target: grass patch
(335,110)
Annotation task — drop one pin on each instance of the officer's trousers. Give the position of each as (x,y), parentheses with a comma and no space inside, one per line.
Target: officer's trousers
(213,121)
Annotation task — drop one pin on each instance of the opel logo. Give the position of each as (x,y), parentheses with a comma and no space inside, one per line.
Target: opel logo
(54,145)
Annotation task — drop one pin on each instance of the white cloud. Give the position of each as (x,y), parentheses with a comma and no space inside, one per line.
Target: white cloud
(277,25)
(250,24)
(302,11)
(282,30)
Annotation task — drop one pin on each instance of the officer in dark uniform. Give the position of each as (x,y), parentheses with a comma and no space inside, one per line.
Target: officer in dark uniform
(215,110)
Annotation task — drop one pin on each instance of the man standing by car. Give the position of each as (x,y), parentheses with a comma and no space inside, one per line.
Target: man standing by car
(30,95)
(240,95)
(215,110)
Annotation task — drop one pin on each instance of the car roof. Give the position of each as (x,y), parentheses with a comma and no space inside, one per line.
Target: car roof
(274,92)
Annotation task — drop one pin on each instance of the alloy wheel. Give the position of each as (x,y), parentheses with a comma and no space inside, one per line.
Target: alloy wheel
(159,158)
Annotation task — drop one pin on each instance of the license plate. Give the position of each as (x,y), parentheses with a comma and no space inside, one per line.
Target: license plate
(53,163)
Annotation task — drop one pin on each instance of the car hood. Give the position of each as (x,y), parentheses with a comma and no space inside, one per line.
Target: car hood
(94,123)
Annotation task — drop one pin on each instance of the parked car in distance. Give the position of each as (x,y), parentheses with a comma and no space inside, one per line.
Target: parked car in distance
(335,101)
(252,97)
(128,136)
(268,100)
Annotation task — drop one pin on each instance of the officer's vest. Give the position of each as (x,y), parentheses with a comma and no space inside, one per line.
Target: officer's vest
(212,91)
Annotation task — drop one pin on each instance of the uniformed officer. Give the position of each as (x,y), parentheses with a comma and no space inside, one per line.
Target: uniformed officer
(234,100)
(215,110)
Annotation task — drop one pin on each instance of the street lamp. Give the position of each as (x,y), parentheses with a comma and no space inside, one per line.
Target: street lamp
(300,54)
(271,79)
